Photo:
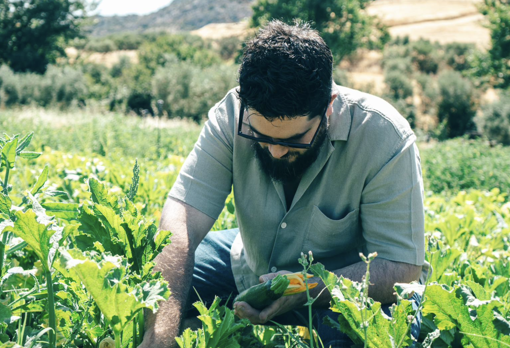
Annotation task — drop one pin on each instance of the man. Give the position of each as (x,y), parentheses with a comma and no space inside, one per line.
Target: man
(313,166)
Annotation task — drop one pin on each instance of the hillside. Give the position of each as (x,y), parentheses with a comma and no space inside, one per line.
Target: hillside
(179,15)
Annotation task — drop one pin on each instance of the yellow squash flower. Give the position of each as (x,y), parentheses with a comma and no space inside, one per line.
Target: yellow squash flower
(297,283)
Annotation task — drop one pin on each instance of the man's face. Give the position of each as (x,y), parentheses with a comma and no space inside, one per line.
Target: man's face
(282,163)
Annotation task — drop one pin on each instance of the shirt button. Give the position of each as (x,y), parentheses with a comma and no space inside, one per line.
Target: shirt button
(274,269)
(283,225)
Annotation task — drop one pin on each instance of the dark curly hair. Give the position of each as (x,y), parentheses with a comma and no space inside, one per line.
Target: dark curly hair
(286,71)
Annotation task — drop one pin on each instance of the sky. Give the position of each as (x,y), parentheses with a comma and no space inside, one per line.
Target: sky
(124,7)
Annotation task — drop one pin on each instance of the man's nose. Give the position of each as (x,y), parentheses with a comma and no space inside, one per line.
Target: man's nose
(278,151)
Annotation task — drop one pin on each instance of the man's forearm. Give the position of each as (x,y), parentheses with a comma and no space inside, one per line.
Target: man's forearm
(188,227)
(383,276)
(176,265)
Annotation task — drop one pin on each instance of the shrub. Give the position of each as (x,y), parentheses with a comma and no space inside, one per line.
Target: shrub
(406,109)
(101,46)
(497,13)
(128,41)
(496,121)
(399,85)
(58,86)
(188,90)
(184,47)
(426,56)
(457,55)
(140,102)
(429,93)
(402,65)
(98,80)
(9,87)
(228,47)
(457,104)
(395,52)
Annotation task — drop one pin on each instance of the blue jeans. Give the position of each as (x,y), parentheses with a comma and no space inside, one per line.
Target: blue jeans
(213,276)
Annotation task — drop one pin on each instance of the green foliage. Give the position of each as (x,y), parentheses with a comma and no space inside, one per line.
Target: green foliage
(101,46)
(496,121)
(218,327)
(400,86)
(229,47)
(61,87)
(343,25)
(460,165)
(361,318)
(107,281)
(457,55)
(184,47)
(33,33)
(456,107)
(114,293)
(425,55)
(428,93)
(498,59)
(402,65)
(190,91)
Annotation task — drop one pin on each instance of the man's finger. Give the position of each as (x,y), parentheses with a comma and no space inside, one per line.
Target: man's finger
(269,312)
(245,311)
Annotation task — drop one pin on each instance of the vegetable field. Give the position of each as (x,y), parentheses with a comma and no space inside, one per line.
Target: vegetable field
(78,223)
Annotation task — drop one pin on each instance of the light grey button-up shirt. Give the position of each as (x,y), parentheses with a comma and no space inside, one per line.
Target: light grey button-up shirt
(364,193)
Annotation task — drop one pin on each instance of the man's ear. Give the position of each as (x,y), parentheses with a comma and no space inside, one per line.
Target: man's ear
(330,106)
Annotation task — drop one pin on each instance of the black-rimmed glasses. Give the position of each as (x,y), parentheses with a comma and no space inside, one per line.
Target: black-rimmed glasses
(245,130)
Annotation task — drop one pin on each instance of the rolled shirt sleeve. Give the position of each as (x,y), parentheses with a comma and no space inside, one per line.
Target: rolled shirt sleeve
(392,214)
(205,179)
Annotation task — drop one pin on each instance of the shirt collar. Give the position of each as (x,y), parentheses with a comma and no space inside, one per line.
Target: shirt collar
(340,119)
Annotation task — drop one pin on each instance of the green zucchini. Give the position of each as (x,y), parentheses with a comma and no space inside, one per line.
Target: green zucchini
(262,295)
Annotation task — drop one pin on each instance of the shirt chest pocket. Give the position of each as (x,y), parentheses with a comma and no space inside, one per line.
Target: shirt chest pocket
(327,237)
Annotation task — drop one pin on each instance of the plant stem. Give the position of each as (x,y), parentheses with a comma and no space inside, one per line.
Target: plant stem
(135,343)
(2,252)
(51,309)
(309,310)
(118,338)
(6,180)
(141,327)
(364,300)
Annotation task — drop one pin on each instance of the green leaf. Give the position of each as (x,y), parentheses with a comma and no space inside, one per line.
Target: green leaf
(40,181)
(23,143)
(17,278)
(134,185)
(441,260)
(5,313)
(105,282)
(355,313)
(9,152)
(451,310)
(5,204)
(66,211)
(100,194)
(30,154)
(36,234)
(93,230)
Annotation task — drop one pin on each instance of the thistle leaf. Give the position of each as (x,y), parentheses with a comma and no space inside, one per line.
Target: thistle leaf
(105,281)
(36,234)
(133,189)
(40,181)
(23,143)
(9,152)
(29,154)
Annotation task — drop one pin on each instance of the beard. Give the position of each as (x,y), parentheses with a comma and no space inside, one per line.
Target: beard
(292,166)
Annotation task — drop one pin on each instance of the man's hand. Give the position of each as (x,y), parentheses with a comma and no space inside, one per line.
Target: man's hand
(284,304)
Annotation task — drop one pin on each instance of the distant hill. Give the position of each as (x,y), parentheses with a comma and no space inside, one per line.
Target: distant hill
(180,15)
